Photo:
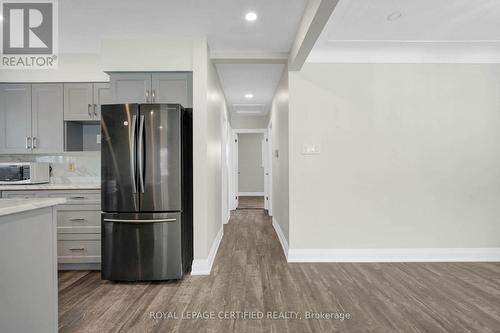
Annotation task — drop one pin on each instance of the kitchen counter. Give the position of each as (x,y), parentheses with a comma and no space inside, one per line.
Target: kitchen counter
(13,206)
(73,186)
(28,257)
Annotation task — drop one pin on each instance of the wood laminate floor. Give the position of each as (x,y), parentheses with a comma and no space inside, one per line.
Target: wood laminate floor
(250,273)
(250,202)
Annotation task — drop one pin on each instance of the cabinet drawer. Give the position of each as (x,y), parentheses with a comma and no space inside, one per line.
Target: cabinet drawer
(77,197)
(86,249)
(23,194)
(78,221)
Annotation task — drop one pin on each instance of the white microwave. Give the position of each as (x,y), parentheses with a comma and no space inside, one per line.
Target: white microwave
(24,173)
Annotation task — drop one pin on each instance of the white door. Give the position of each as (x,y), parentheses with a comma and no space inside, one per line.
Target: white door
(265,166)
(235,172)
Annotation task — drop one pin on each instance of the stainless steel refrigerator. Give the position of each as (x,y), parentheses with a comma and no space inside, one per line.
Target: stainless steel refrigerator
(146,191)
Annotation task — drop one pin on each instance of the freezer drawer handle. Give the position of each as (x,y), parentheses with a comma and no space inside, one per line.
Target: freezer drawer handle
(139,221)
(77,198)
(78,220)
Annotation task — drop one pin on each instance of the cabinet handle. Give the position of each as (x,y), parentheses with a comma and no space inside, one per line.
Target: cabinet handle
(35,142)
(77,198)
(95,110)
(78,220)
(77,249)
(28,142)
(147,96)
(154,96)
(89,110)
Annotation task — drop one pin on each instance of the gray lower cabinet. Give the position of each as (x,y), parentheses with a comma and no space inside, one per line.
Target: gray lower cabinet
(78,226)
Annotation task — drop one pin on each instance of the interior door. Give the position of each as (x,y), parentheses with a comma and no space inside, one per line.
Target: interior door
(119,192)
(159,157)
(15,118)
(47,118)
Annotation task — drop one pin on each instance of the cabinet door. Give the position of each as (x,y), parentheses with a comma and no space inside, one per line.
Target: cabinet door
(47,118)
(15,118)
(131,87)
(102,95)
(78,101)
(175,88)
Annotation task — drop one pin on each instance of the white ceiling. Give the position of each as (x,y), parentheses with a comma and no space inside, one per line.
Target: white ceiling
(451,28)
(84,23)
(260,80)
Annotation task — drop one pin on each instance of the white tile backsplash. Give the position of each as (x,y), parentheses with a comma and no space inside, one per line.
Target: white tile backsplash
(87,166)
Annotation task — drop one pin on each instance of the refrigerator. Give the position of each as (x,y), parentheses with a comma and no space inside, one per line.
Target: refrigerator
(146,192)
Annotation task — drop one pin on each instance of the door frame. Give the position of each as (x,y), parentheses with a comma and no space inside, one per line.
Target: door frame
(234,166)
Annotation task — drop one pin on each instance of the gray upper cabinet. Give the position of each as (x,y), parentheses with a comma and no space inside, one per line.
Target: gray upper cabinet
(15,118)
(82,101)
(172,88)
(78,101)
(131,87)
(47,118)
(102,95)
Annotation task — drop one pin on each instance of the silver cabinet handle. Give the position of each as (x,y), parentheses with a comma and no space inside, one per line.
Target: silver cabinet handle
(77,249)
(78,220)
(35,142)
(141,174)
(28,142)
(89,110)
(77,198)
(147,96)
(132,154)
(95,110)
(154,96)
(140,221)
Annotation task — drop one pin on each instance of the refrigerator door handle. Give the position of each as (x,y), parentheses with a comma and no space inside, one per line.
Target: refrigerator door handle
(132,154)
(140,152)
(139,221)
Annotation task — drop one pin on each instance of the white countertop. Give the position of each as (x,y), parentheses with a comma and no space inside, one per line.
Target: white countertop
(12,206)
(73,186)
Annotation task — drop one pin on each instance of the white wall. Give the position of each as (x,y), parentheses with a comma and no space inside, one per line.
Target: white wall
(279,132)
(209,105)
(410,156)
(249,122)
(251,172)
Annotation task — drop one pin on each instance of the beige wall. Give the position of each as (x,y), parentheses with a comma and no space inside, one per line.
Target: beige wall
(279,132)
(249,122)
(410,156)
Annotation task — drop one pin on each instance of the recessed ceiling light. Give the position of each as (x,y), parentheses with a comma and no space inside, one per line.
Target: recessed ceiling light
(251,16)
(248,96)
(394,16)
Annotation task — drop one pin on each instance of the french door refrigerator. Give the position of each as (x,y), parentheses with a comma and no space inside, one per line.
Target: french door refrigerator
(146,191)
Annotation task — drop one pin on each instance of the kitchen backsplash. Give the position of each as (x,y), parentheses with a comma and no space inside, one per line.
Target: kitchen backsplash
(68,168)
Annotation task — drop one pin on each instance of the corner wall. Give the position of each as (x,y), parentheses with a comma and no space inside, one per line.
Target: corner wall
(410,156)
(280,163)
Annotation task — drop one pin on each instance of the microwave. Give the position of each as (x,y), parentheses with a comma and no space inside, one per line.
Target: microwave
(24,173)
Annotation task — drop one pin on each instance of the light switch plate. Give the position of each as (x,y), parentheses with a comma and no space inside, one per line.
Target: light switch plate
(311,149)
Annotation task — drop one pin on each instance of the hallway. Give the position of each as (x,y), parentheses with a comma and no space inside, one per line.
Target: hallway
(251,274)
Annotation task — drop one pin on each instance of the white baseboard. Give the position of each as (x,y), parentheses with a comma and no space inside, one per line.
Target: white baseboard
(395,255)
(281,237)
(250,194)
(204,266)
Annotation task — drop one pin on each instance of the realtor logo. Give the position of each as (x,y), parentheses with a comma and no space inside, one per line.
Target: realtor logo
(29,38)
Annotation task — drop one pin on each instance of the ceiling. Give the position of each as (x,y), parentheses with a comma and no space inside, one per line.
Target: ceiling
(260,80)
(84,23)
(384,26)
